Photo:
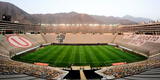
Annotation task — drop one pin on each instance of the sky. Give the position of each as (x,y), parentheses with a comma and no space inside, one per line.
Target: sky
(117,8)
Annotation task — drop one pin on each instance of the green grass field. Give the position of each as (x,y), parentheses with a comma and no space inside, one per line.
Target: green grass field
(79,55)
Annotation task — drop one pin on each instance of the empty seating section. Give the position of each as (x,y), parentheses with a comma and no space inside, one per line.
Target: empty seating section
(153,48)
(37,37)
(7,48)
(34,43)
(6,45)
(143,43)
(11,49)
(119,40)
(139,40)
(3,52)
(50,37)
(88,38)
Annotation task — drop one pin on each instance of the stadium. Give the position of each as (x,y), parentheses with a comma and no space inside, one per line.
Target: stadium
(67,53)
(79,51)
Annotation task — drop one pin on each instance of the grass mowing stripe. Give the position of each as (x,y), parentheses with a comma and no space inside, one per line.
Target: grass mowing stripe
(62,54)
(137,56)
(55,54)
(98,54)
(116,54)
(128,55)
(103,54)
(37,57)
(69,55)
(36,53)
(71,58)
(28,57)
(119,53)
(52,55)
(94,60)
(82,55)
(41,54)
(87,56)
(111,55)
(93,53)
(66,58)
(74,55)
(65,55)
(77,56)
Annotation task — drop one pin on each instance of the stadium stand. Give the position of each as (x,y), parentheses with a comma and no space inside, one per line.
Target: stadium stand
(129,69)
(88,38)
(153,74)
(153,48)
(13,49)
(142,43)
(36,37)
(7,46)
(4,52)
(147,44)
(150,46)
(12,67)
(50,37)
(18,77)
(33,41)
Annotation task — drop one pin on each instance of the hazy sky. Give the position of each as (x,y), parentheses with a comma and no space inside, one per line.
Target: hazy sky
(137,8)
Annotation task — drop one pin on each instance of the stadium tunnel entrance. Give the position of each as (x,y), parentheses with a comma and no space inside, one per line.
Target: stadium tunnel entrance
(82,75)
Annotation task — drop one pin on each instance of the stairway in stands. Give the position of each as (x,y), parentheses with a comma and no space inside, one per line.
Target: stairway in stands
(153,74)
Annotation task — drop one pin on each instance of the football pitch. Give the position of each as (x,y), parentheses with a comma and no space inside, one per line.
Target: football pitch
(79,55)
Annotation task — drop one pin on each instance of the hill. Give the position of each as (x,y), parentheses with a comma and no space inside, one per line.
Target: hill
(16,13)
(58,18)
(113,20)
(66,18)
(79,18)
(137,19)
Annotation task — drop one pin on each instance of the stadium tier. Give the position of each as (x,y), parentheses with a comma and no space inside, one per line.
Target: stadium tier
(20,52)
(9,66)
(50,37)
(37,38)
(147,44)
(88,38)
